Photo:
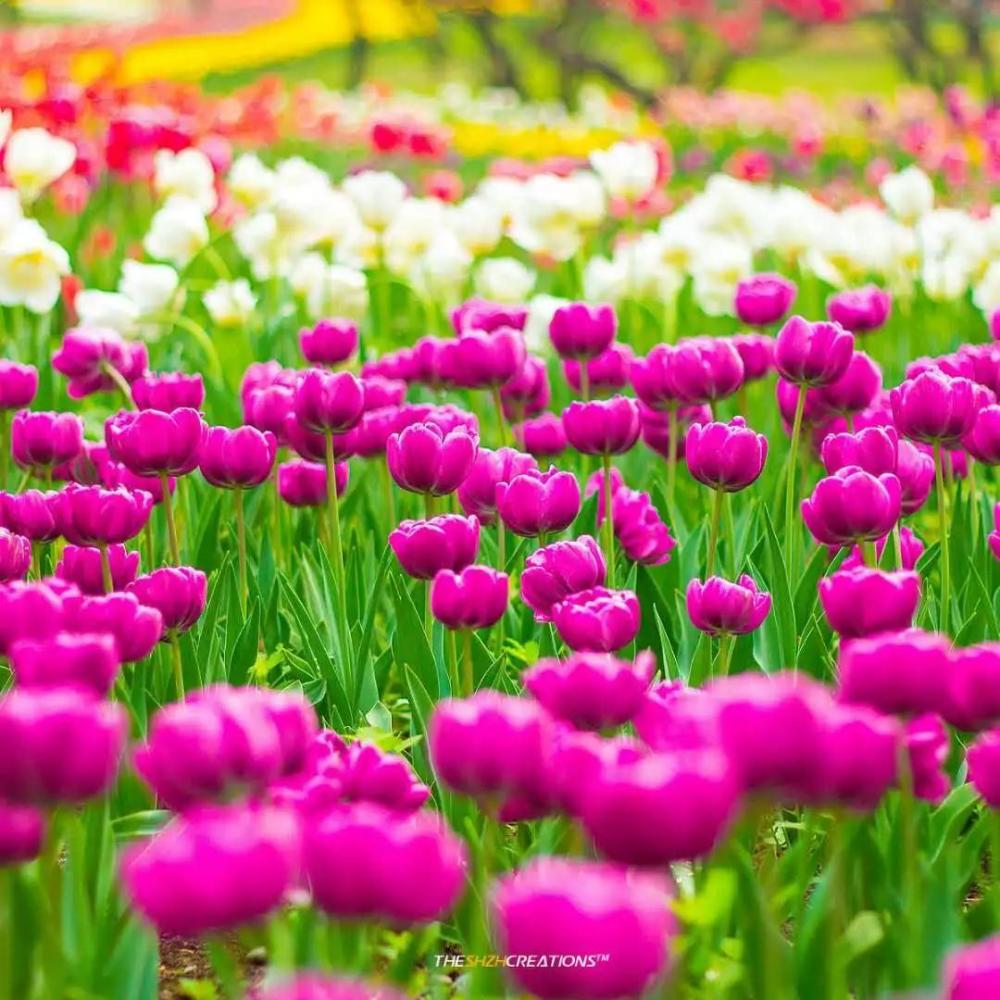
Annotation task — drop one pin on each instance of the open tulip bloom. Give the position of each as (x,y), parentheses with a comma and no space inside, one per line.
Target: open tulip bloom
(569,577)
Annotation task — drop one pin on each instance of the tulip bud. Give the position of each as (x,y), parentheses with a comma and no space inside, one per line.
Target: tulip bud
(474,597)
(81,565)
(168,391)
(18,385)
(863,601)
(812,354)
(328,402)
(597,620)
(40,440)
(718,607)
(425,548)
(763,299)
(726,457)
(177,592)
(330,342)
(556,571)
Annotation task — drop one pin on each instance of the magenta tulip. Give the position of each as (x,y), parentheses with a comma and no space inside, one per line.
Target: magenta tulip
(177,592)
(86,662)
(983,441)
(852,506)
(763,299)
(539,503)
(135,628)
(597,620)
(874,449)
(168,391)
(542,437)
(474,597)
(91,515)
(40,440)
(556,571)
(303,484)
(329,342)
(812,354)
(425,459)
(15,556)
(153,443)
(756,351)
(718,607)
(477,493)
(637,524)
(33,514)
(862,601)
(98,360)
(328,402)
(934,408)
(602,426)
(446,542)
(480,360)
(608,372)
(22,830)
(237,459)
(579,331)
(18,385)
(81,565)
(727,457)
(860,310)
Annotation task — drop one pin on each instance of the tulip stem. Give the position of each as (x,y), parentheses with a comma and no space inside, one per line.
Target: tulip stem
(175,655)
(713,531)
(584,380)
(106,579)
(168,511)
(241,545)
(910,901)
(725,654)
(793,458)
(453,668)
(501,424)
(51,875)
(994,821)
(609,528)
(943,530)
(973,504)
(390,499)
(121,384)
(468,671)
(502,566)
(898,542)
(672,435)
(336,551)
(871,554)
(4,448)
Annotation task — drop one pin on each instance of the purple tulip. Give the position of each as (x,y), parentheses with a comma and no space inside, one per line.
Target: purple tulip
(33,514)
(28,610)
(214,869)
(576,759)
(538,503)
(637,524)
(303,484)
(718,607)
(911,547)
(15,556)
(382,393)
(270,409)
(856,389)
(852,506)
(994,537)
(974,702)
(365,862)
(579,331)
(136,628)
(152,443)
(983,441)
(92,515)
(477,493)
(662,808)
(597,620)
(372,433)
(915,471)
(86,662)
(570,906)
(81,565)
(87,356)
(18,385)
(812,354)
(177,592)
(312,445)
(656,427)
(237,459)
(863,601)
(860,310)
(973,972)
(40,440)
(602,426)
(474,597)
(22,830)
(328,402)
(814,411)
(490,745)
(935,409)
(425,548)
(329,342)
(608,372)
(481,314)
(313,986)
(705,369)
(425,459)
(554,572)
(528,393)
(763,299)
(542,437)
(756,351)
(168,391)
(927,746)
(480,360)
(653,378)
(874,449)
(68,745)
(983,361)
(591,690)
(897,672)
(984,773)
(726,457)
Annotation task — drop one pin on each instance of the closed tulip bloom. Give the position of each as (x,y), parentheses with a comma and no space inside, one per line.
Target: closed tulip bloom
(365,862)
(812,354)
(214,869)
(602,426)
(675,717)
(18,385)
(303,484)
(655,426)
(425,548)
(329,342)
(68,745)
(263,375)
(591,690)
(934,408)
(539,503)
(177,592)
(28,610)
(237,459)
(92,515)
(814,412)
(168,391)
(763,299)
(576,759)
(580,331)
(856,389)
(860,310)
(314,986)
(640,530)
(270,409)
(901,673)
(756,351)
(474,597)
(983,441)
(87,355)
(33,514)
(984,773)
(653,378)
(480,360)
(862,601)
(662,808)
(975,687)
(705,369)
(910,545)
(542,437)
(490,745)
(312,445)
(597,620)
(570,906)
(719,607)
(135,627)
(153,443)
(852,506)
(874,449)
(40,440)
(22,830)
(81,565)
(724,456)
(15,556)
(328,402)
(372,433)
(425,459)
(477,493)
(368,774)
(973,972)
(915,471)
(556,571)
(86,662)
(927,746)
(482,314)
(994,537)
(608,372)
(528,393)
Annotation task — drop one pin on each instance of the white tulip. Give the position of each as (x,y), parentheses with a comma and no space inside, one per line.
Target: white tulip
(297,171)
(178,231)
(11,212)
(505,195)
(250,182)
(586,193)
(628,170)
(343,292)
(986,294)
(31,268)
(107,310)
(504,279)
(478,224)
(541,309)
(230,303)
(648,274)
(188,173)
(34,159)
(377,195)
(358,248)
(945,279)
(605,280)
(908,194)
(442,271)
(334,216)
(260,240)
(152,287)
(717,270)
(411,232)
(306,272)
(547,220)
